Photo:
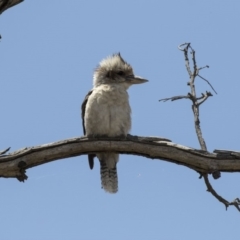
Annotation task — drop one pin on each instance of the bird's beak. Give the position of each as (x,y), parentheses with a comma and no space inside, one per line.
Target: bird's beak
(135,79)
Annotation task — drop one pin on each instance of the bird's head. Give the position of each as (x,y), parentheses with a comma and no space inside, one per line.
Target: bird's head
(114,70)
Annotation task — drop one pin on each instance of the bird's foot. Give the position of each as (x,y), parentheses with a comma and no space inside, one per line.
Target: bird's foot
(97,136)
(131,137)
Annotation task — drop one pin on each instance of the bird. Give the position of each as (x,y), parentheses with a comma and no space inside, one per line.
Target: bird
(106,112)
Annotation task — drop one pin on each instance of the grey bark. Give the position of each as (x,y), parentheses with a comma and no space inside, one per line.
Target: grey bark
(14,165)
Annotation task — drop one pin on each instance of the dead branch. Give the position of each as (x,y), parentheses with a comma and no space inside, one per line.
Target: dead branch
(174,98)
(207,82)
(15,164)
(5,4)
(210,189)
(204,97)
(196,102)
(4,151)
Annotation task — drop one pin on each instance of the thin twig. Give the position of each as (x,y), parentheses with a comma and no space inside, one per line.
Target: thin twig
(207,82)
(203,68)
(174,98)
(4,151)
(235,203)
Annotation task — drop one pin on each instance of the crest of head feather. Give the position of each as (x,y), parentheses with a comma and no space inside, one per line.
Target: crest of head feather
(109,65)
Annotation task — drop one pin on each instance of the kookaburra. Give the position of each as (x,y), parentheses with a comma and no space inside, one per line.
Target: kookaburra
(106,112)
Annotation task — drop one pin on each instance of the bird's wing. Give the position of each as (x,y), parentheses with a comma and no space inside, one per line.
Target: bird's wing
(84,109)
(90,156)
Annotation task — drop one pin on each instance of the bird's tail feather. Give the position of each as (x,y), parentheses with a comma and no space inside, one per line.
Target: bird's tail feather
(108,172)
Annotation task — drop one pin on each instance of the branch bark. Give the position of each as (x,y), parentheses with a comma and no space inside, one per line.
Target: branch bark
(5,4)
(196,102)
(14,165)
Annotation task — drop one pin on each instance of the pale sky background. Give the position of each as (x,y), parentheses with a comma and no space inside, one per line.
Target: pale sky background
(48,52)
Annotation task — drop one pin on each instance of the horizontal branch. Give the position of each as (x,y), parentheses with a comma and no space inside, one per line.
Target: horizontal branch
(15,164)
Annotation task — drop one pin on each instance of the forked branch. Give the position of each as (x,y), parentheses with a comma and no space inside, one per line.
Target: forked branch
(196,102)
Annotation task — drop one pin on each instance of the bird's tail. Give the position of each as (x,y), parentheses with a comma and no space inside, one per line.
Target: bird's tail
(108,170)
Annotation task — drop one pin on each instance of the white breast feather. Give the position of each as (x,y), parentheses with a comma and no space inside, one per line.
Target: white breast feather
(108,111)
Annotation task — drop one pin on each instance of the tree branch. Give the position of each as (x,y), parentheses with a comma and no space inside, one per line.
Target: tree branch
(174,98)
(207,82)
(5,4)
(210,189)
(186,57)
(14,165)
(195,108)
(196,102)
(204,97)
(4,151)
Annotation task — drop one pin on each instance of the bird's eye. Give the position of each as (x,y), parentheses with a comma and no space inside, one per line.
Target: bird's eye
(120,73)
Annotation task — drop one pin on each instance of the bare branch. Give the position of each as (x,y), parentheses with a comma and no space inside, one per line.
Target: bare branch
(204,98)
(192,96)
(5,4)
(4,151)
(203,68)
(198,128)
(235,203)
(199,98)
(15,164)
(181,45)
(195,72)
(207,82)
(174,98)
(187,60)
(196,102)
(195,108)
